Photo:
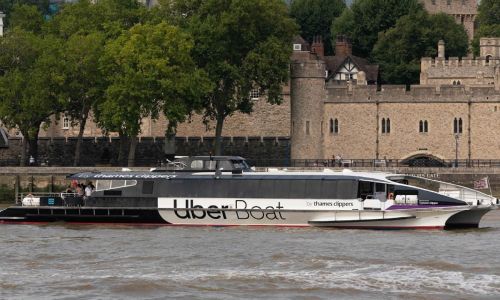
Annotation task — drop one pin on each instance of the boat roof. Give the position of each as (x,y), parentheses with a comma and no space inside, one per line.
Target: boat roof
(274,174)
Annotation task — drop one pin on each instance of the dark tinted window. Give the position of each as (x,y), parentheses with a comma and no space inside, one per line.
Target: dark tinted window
(147,187)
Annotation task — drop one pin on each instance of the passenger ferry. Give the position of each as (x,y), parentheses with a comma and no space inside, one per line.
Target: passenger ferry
(224,191)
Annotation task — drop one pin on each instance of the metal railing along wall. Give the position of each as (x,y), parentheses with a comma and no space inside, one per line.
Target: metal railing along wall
(301,163)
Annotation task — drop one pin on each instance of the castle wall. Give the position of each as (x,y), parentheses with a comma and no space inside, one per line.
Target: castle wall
(489,46)
(265,120)
(360,110)
(405,139)
(463,11)
(357,130)
(468,71)
(485,129)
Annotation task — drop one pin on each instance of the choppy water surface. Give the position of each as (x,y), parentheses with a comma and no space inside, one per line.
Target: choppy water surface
(115,262)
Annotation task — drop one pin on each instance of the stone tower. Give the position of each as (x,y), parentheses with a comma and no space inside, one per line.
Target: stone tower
(463,11)
(307,95)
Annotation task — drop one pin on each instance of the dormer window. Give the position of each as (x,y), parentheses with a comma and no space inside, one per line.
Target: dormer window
(297,47)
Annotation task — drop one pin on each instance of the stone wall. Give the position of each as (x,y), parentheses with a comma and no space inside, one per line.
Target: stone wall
(463,11)
(104,151)
(468,71)
(265,120)
(489,46)
(361,109)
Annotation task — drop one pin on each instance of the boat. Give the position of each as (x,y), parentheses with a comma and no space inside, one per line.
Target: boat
(225,191)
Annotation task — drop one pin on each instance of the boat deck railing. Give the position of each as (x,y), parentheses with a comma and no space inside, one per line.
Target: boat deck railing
(61,198)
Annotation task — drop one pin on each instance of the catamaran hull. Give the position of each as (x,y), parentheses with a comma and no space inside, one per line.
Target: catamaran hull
(407,219)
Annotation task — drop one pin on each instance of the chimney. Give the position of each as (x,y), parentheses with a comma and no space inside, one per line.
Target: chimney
(441,49)
(317,46)
(343,46)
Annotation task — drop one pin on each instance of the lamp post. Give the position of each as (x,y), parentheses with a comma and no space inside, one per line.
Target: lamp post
(456,149)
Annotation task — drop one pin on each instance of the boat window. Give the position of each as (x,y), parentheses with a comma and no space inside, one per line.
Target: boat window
(210,164)
(147,187)
(365,190)
(297,189)
(117,183)
(379,187)
(197,164)
(102,185)
(282,189)
(225,165)
(339,189)
(406,196)
(266,187)
(313,189)
(240,165)
(203,188)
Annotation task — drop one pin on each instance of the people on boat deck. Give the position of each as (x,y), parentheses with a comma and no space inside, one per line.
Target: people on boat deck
(89,189)
(80,190)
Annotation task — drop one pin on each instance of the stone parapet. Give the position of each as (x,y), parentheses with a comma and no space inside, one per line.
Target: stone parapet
(416,93)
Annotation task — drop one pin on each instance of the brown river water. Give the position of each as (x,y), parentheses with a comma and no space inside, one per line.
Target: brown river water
(62,261)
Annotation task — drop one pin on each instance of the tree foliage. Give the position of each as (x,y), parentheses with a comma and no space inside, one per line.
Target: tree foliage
(27,84)
(488,12)
(399,49)
(489,22)
(150,71)
(27,17)
(363,21)
(6,7)
(315,18)
(241,45)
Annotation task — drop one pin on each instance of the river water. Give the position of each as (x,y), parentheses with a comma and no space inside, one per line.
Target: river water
(64,261)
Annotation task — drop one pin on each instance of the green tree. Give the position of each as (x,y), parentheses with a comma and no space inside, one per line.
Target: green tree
(27,17)
(110,17)
(241,45)
(85,27)
(366,18)
(399,49)
(83,86)
(150,70)
(488,12)
(315,17)
(489,22)
(27,83)
(6,7)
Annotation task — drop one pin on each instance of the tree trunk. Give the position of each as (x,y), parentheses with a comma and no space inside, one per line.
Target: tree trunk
(218,134)
(22,163)
(122,149)
(33,146)
(131,152)
(169,144)
(82,122)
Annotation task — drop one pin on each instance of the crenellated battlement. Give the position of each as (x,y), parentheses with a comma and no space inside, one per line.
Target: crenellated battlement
(466,62)
(451,7)
(416,94)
